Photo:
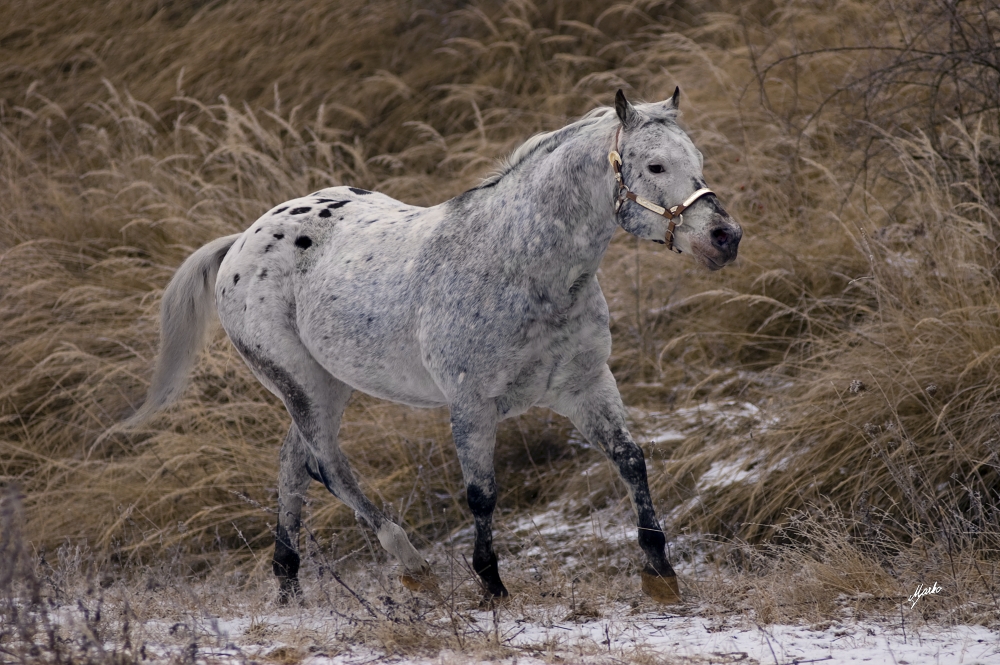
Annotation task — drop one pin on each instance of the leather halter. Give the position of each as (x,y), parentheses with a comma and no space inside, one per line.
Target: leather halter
(671,213)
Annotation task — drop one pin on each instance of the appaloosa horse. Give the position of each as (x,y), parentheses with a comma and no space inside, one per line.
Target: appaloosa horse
(487,303)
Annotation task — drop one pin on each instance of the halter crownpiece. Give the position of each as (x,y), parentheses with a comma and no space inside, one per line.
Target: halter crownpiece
(670,213)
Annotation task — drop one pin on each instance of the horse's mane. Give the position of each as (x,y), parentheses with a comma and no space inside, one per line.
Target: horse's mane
(556,137)
(549,140)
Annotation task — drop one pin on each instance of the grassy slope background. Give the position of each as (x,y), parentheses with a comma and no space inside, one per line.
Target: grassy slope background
(856,142)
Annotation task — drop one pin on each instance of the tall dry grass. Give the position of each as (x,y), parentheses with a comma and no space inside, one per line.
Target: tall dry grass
(856,142)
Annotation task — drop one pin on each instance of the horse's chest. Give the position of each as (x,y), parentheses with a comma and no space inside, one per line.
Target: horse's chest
(535,371)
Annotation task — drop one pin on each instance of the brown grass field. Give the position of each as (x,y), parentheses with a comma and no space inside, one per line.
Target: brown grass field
(858,143)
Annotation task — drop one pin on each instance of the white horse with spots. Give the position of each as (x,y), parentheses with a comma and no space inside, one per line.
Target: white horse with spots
(486,303)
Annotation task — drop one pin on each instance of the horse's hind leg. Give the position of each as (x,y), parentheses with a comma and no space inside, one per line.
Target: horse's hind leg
(316,401)
(596,410)
(293,480)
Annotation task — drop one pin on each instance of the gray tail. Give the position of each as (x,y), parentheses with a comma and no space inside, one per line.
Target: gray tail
(186,317)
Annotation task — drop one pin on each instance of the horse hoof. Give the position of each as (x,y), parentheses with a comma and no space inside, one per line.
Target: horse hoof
(289,591)
(426,581)
(661,589)
(491,601)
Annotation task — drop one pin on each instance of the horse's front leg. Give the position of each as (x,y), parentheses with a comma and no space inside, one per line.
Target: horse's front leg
(595,408)
(474,428)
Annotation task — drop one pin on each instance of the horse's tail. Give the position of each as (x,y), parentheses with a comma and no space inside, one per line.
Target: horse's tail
(186,317)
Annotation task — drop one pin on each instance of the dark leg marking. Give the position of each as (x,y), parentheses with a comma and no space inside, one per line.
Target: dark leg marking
(474,430)
(293,480)
(285,566)
(628,458)
(484,559)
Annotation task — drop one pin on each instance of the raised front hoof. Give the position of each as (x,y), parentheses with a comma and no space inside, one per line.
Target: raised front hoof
(661,589)
(289,591)
(425,582)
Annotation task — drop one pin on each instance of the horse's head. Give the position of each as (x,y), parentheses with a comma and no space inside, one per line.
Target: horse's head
(662,193)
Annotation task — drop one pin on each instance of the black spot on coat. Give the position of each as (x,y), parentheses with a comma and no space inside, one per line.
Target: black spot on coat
(300,211)
(359,192)
(303,242)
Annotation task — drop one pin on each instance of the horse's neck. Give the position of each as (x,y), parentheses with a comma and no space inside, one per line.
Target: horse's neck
(563,207)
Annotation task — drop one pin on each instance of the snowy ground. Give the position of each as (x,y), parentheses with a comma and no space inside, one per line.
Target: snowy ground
(333,628)
(644,637)
(572,571)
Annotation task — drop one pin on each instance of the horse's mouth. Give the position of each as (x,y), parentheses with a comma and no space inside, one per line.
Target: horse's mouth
(714,265)
(714,260)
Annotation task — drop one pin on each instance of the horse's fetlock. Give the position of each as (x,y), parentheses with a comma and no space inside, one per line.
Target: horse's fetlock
(288,590)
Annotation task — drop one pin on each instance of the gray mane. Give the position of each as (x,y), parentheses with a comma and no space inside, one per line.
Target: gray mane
(529,147)
(655,112)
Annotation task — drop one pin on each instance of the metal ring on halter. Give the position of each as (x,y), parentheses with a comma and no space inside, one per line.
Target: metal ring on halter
(670,213)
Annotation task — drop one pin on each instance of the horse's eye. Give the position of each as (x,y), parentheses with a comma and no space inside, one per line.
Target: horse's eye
(655,168)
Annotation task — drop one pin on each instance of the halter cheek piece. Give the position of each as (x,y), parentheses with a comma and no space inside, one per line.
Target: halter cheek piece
(670,213)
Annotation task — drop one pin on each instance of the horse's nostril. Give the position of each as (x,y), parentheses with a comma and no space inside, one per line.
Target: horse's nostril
(720,238)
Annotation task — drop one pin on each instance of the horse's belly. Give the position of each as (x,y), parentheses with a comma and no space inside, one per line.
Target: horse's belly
(394,381)
(369,345)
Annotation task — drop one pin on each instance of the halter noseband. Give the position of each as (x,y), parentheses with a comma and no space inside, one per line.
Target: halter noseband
(670,213)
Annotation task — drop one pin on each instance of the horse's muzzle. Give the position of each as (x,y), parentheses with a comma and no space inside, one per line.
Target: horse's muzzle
(725,240)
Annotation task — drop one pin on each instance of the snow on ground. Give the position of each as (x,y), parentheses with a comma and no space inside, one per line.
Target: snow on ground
(660,637)
(557,540)
(602,632)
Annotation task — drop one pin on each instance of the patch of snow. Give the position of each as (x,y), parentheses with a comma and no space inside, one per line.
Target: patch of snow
(627,636)
(724,473)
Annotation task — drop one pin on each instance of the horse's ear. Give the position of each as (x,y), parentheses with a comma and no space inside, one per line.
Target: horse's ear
(675,100)
(626,112)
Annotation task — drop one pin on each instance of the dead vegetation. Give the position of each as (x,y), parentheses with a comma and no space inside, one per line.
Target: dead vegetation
(858,144)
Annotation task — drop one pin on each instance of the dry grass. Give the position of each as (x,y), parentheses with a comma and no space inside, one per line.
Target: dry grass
(856,142)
